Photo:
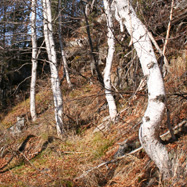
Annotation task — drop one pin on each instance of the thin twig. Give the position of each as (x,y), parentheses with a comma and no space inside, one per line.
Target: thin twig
(73,152)
(20,84)
(168,30)
(35,166)
(176,127)
(157,47)
(17,70)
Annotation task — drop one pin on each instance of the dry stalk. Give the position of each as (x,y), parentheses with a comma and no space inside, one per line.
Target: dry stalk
(168,30)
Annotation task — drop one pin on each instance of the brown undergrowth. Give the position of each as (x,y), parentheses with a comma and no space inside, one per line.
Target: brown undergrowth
(39,158)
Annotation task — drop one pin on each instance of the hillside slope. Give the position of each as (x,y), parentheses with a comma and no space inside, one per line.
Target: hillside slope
(93,151)
(90,153)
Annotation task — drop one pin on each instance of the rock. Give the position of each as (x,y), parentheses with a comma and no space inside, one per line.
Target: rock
(126,147)
(17,128)
(123,148)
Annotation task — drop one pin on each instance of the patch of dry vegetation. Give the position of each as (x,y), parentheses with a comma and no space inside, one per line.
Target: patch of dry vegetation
(39,158)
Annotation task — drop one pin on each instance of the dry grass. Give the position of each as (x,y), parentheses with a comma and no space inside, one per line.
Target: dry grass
(47,160)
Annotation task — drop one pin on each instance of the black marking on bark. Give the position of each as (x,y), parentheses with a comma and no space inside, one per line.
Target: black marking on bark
(160,98)
(140,131)
(150,51)
(129,12)
(141,37)
(150,65)
(123,20)
(147,118)
(125,7)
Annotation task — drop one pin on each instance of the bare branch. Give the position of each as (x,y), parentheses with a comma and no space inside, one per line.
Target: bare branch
(21,83)
(168,30)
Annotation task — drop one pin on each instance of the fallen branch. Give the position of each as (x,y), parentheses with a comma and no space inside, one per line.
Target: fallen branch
(176,127)
(121,157)
(108,162)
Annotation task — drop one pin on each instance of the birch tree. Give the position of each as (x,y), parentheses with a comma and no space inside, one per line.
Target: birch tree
(61,46)
(149,130)
(50,47)
(107,71)
(34,61)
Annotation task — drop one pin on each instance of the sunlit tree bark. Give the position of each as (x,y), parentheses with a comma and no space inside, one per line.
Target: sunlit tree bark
(55,83)
(149,130)
(107,71)
(34,62)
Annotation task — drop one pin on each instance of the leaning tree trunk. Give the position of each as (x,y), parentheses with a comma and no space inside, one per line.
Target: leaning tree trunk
(61,46)
(149,130)
(34,62)
(55,83)
(107,71)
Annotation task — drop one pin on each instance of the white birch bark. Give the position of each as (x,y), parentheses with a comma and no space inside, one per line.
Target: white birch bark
(34,62)
(92,5)
(107,71)
(149,130)
(61,46)
(55,83)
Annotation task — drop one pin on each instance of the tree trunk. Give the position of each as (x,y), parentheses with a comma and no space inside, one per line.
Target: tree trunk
(55,83)
(149,130)
(107,71)
(61,46)
(94,62)
(34,62)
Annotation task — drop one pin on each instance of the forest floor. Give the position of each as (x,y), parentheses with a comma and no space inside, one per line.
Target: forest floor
(85,155)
